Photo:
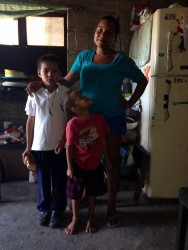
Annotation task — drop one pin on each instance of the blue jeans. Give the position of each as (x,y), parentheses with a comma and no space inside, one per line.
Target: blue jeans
(51,176)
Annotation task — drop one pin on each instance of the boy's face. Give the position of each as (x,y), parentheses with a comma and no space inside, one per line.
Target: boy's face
(49,73)
(80,102)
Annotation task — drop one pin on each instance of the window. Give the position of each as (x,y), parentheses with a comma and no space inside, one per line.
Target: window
(49,32)
(23,40)
(40,31)
(9,31)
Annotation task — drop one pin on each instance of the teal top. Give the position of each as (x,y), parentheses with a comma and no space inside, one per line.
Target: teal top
(102,82)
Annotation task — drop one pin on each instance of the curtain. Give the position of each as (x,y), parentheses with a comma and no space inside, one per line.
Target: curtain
(20,8)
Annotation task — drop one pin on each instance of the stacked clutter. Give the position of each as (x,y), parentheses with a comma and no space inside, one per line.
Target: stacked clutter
(13,73)
(12,134)
(14,78)
(128,168)
(139,14)
(16,134)
(132,118)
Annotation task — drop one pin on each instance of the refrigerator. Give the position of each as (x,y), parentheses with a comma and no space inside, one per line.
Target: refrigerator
(160,49)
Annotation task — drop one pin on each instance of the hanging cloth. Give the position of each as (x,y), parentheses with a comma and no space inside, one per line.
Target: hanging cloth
(18,9)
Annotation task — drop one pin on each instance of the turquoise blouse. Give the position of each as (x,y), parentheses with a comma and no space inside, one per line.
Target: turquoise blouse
(102,82)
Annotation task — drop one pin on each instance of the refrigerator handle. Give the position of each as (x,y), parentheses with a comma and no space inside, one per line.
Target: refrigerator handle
(176,103)
(169,50)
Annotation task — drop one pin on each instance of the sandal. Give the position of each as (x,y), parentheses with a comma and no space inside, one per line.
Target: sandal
(113,220)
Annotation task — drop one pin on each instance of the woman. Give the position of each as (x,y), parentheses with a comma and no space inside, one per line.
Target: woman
(101,73)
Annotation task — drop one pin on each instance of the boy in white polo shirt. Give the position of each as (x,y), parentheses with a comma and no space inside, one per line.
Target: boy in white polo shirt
(45,133)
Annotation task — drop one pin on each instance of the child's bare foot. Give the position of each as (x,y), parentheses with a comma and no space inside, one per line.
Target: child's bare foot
(90,227)
(71,228)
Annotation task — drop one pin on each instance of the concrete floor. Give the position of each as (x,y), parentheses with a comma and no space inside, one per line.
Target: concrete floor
(148,225)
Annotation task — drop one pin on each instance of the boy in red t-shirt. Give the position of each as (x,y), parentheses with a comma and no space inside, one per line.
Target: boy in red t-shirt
(85,135)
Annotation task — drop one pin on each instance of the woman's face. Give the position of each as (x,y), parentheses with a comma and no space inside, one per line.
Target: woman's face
(105,34)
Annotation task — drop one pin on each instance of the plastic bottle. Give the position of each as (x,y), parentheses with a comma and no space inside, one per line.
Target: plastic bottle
(32,176)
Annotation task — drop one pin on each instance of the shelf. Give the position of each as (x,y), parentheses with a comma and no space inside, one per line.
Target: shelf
(12,146)
(12,94)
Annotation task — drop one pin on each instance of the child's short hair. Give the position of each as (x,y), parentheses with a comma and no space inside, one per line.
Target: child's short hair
(67,105)
(48,58)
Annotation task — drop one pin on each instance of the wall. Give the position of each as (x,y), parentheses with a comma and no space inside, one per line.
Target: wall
(82,22)
(83,16)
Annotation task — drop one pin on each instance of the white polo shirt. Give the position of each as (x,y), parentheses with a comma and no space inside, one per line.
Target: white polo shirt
(48,128)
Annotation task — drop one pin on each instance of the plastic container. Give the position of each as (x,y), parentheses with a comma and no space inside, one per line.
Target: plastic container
(131,123)
(32,176)
(126,170)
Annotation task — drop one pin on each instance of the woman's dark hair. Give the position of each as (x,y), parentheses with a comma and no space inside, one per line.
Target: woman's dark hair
(48,58)
(115,21)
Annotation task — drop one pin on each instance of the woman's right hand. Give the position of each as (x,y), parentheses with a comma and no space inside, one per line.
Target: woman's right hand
(33,87)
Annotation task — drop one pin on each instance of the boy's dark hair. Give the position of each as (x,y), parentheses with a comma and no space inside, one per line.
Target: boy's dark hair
(67,105)
(115,21)
(48,58)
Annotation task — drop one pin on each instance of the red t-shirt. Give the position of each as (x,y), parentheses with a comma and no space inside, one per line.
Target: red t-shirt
(86,136)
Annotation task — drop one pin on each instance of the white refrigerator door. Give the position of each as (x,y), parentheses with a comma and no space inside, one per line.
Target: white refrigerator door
(164,133)
(169,45)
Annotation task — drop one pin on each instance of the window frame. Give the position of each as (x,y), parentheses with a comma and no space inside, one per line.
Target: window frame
(31,52)
(22,31)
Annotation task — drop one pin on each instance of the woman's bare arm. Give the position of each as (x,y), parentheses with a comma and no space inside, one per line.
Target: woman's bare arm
(141,85)
(69,79)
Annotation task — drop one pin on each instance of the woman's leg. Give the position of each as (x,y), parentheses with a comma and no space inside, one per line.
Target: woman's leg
(72,227)
(113,175)
(90,224)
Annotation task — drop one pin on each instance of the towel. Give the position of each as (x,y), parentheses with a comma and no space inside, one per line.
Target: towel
(141,43)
